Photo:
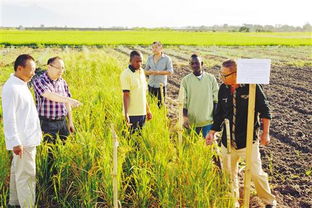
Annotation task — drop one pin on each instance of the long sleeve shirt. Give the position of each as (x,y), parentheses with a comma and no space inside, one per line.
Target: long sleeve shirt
(20,117)
(237,114)
(199,96)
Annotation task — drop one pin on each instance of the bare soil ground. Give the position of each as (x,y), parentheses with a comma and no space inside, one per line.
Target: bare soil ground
(287,159)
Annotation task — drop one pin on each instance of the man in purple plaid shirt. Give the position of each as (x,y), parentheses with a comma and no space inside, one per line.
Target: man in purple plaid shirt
(53,101)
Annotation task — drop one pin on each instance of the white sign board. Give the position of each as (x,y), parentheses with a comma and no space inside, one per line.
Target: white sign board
(253,71)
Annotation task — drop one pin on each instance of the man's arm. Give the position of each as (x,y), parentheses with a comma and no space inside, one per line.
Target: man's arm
(60,98)
(168,71)
(42,89)
(265,137)
(217,121)
(186,122)
(126,102)
(9,105)
(262,106)
(154,72)
(215,90)
(148,112)
(183,99)
(70,123)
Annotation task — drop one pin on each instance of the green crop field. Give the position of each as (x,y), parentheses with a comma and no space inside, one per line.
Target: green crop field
(133,37)
(154,171)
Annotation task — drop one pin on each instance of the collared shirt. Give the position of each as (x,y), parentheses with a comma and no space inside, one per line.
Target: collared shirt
(20,117)
(225,110)
(199,96)
(163,64)
(134,81)
(48,108)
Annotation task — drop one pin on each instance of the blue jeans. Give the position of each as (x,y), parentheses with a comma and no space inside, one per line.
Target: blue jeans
(203,129)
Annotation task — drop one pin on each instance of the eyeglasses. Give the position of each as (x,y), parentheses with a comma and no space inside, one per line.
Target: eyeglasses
(57,67)
(226,75)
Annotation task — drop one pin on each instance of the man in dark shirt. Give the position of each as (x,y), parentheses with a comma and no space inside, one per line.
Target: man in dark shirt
(233,105)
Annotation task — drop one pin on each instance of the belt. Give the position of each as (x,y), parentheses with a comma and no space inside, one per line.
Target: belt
(157,87)
(50,119)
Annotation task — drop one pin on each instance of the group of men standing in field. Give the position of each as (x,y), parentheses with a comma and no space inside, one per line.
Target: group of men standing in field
(205,106)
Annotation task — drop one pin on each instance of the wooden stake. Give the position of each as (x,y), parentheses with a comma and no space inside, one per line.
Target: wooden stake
(228,142)
(250,130)
(180,114)
(115,165)
(162,97)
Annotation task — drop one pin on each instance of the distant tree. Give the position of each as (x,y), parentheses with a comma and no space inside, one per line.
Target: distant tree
(307,27)
(244,29)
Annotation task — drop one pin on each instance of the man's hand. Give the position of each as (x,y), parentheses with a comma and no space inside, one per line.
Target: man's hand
(18,150)
(264,138)
(71,127)
(149,115)
(62,99)
(127,120)
(210,137)
(186,122)
(74,103)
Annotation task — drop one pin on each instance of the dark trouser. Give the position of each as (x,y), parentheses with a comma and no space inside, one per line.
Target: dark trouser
(50,129)
(156,92)
(137,123)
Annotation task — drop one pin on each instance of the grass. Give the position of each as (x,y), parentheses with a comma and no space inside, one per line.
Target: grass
(153,170)
(133,37)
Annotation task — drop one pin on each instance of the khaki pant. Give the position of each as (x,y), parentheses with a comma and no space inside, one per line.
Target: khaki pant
(258,176)
(23,179)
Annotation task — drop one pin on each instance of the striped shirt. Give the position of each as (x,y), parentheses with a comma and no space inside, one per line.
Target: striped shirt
(48,108)
(234,106)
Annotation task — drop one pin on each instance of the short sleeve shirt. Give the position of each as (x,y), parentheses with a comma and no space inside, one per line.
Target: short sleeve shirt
(134,81)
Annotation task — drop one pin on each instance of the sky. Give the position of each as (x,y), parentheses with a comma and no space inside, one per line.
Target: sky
(146,13)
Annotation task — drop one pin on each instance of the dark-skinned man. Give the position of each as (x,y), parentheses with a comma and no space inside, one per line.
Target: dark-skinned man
(199,90)
(134,87)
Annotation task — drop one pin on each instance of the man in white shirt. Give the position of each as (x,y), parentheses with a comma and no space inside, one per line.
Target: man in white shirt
(22,131)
